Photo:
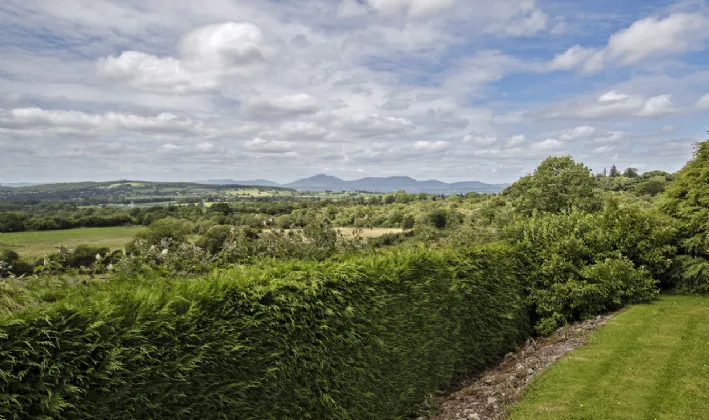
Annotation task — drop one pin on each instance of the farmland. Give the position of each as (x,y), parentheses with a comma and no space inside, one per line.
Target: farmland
(37,243)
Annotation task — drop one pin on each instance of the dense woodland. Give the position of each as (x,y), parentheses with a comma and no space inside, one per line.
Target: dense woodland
(263,309)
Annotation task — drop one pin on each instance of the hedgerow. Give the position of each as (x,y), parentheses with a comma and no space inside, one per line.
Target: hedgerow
(366,337)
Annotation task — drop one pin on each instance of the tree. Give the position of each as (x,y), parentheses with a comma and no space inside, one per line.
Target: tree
(614,172)
(630,173)
(558,185)
(12,221)
(687,200)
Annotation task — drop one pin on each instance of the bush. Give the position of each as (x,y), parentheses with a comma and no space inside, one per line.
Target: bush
(567,259)
(366,338)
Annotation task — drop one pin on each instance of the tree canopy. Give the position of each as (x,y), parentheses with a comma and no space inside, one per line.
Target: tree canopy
(558,185)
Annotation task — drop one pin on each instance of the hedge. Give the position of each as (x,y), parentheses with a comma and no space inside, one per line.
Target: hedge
(364,338)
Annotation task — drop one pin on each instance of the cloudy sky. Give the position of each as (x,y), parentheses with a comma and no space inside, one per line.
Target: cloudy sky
(283,89)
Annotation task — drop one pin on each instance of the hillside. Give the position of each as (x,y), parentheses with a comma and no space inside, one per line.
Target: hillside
(323,182)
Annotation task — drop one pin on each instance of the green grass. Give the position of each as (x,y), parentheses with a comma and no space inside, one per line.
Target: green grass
(649,362)
(36,244)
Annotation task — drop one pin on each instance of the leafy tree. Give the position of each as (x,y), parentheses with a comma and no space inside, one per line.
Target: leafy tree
(408,222)
(630,173)
(687,199)
(168,228)
(12,221)
(558,185)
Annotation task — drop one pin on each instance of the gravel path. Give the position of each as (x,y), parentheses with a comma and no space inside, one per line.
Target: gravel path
(488,395)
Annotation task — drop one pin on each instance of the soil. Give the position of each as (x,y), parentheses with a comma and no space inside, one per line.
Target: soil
(488,395)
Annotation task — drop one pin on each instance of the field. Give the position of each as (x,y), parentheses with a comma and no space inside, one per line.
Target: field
(36,244)
(368,233)
(650,362)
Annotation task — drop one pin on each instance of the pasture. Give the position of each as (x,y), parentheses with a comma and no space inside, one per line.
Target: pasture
(650,361)
(37,243)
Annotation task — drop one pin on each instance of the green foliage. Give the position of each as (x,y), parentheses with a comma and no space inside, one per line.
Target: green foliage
(365,338)
(168,228)
(571,260)
(687,200)
(558,185)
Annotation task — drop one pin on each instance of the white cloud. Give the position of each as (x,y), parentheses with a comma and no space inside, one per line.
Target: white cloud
(612,96)
(282,106)
(479,139)
(207,54)
(571,58)
(546,145)
(577,133)
(614,105)
(657,106)
(260,145)
(515,141)
(612,137)
(431,145)
(410,7)
(205,147)
(703,102)
(645,38)
(37,118)
(652,36)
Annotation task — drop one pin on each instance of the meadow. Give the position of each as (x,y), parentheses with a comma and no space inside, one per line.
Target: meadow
(650,361)
(34,244)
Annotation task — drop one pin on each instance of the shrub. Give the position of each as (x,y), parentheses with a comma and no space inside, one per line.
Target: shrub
(365,338)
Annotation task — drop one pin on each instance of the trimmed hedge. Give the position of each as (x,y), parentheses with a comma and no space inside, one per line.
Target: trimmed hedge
(365,338)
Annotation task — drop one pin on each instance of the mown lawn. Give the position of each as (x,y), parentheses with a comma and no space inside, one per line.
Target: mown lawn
(649,362)
(36,244)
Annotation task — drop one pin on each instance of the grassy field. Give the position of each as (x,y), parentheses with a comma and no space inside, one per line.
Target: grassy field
(649,362)
(369,233)
(36,244)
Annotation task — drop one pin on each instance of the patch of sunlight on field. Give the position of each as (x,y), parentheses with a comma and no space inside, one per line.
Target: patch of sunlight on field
(36,244)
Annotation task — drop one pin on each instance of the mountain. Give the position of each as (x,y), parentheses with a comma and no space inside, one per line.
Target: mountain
(253,182)
(319,182)
(323,182)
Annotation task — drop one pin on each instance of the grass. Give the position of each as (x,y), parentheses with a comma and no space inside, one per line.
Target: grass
(36,244)
(649,362)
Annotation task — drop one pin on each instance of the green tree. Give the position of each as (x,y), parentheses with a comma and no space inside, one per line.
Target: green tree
(687,200)
(630,173)
(558,185)
(614,172)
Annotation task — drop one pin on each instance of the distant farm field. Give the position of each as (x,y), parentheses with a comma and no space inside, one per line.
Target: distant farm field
(368,233)
(649,362)
(36,244)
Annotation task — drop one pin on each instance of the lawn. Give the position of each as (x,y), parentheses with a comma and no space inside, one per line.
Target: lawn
(649,362)
(36,244)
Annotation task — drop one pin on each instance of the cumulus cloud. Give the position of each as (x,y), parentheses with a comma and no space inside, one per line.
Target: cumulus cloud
(577,133)
(613,104)
(207,54)
(546,145)
(645,38)
(36,118)
(703,102)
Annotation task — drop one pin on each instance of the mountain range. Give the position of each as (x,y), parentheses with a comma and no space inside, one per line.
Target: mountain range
(375,184)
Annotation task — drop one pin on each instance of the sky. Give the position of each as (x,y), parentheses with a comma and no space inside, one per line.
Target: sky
(178,90)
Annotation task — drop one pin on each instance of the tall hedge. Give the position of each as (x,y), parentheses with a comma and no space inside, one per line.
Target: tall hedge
(364,338)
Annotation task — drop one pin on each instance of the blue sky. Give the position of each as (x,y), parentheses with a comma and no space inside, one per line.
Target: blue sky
(447,89)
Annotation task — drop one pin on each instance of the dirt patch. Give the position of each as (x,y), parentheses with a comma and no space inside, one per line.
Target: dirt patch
(488,395)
